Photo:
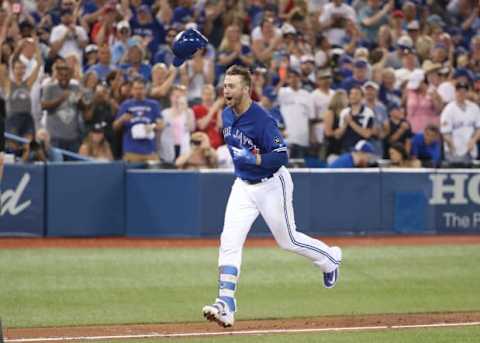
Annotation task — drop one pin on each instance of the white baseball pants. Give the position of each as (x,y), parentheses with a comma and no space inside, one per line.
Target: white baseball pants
(273,200)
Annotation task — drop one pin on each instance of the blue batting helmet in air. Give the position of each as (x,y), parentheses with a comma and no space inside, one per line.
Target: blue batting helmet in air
(186,44)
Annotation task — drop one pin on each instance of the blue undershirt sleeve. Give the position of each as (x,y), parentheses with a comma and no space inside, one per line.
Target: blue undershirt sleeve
(274,160)
(274,146)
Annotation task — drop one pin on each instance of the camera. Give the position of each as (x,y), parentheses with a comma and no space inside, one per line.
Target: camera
(339,21)
(37,151)
(196,142)
(298,17)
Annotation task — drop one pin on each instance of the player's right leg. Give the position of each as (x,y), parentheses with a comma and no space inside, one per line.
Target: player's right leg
(276,208)
(240,214)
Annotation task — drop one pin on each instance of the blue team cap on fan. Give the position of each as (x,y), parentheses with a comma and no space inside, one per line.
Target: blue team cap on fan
(364,146)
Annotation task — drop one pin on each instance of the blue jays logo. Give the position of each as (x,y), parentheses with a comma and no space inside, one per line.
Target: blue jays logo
(238,138)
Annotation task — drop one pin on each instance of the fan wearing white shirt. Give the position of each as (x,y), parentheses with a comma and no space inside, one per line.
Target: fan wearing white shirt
(68,38)
(460,126)
(321,99)
(297,108)
(334,19)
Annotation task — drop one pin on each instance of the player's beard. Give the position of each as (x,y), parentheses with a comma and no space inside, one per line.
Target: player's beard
(234,101)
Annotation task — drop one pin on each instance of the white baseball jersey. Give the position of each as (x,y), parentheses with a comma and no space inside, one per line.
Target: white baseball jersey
(321,101)
(297,109)
(460,122)
(336,35)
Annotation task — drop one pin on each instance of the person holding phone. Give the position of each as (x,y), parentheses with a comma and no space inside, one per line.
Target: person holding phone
(201,154)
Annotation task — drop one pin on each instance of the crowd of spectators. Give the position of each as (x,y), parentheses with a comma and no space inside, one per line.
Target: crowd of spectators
(345,80)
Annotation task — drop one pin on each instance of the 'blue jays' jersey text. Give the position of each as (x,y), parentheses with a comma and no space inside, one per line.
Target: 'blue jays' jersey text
(256,131)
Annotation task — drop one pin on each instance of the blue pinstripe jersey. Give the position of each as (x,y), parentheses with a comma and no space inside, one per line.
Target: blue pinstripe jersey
(255,130)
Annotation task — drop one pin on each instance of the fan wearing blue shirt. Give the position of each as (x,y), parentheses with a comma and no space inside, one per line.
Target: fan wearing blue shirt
(134,65)
(427,146)
(268,101)
(363,153)
(145,24)
(140,120)
(104,65)
(359,77)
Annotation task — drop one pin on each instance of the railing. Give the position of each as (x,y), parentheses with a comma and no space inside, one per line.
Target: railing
(71,155)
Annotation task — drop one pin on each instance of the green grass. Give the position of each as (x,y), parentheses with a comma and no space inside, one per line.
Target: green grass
(433,335)
(46,287)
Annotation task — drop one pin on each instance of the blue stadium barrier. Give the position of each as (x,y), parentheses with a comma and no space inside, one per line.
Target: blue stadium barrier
(345,201)
(22,210)
(403,192)
(162,203)
(215,188)
(321,201)
(97,199)
(85,199)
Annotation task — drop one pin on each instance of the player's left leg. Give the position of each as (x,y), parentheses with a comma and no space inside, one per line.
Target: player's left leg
(276,207)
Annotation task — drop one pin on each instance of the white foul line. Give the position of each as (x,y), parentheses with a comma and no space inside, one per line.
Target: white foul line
(239,333)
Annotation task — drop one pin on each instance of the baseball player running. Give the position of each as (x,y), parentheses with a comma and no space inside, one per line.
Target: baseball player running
(263,186)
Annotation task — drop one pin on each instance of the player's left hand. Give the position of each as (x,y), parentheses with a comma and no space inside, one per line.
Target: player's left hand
(244,156)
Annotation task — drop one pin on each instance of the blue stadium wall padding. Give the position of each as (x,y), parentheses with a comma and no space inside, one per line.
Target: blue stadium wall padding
(170,203)
(96,199)
(23,200)
(409,212)
(397,186)
(86,199)
(345,203)
(162,203)
(215,189)
(302,202)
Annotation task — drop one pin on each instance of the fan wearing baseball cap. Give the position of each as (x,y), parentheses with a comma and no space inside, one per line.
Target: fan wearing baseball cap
(397,130)
(359,77)
(122,35)
(95,145)
(362,155)
(395,58)
(460,126)
(146,25)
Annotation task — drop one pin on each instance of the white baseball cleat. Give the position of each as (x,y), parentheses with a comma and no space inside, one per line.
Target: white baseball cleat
(330,279)
(219,313)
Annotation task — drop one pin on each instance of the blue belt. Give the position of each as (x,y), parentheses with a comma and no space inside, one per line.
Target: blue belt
(254,182)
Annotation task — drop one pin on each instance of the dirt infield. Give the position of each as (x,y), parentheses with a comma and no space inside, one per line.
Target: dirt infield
(202,329)
(317,324)
(120,242)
